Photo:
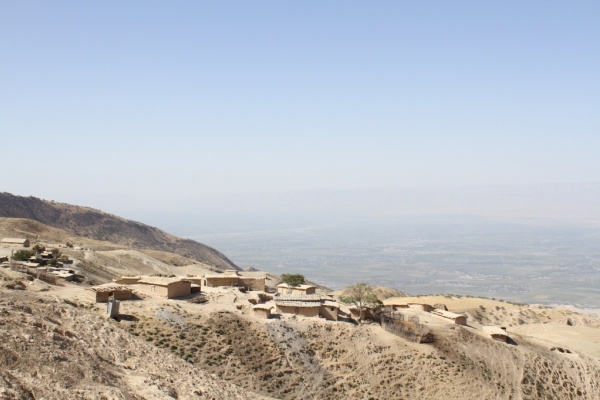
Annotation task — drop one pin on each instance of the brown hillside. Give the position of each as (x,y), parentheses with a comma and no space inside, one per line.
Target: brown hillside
(98,225)
(61,350)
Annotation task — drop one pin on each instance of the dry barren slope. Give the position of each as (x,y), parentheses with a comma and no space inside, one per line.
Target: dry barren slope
(95,224)
(288,358)
(297,358)
(106,260)
(57,349)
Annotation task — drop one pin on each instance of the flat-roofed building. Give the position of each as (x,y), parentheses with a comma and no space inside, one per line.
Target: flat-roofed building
(112,290)
(262,310)
(420,306)
(307,305)
(21,242)
(329,310)
(232,278)
(458,319)
(164,287)
(285,288)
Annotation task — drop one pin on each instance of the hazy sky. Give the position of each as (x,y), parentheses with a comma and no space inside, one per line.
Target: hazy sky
(118,102)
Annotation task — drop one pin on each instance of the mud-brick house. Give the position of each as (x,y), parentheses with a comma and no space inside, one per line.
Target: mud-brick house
(232,278)
(284,288)
(329,310)
(497,333)
(164,287)
(459,319)
(311,305)
(21,242)
(262,310)
(421,306)
(112,290)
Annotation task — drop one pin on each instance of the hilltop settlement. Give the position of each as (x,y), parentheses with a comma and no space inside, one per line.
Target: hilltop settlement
(82,318)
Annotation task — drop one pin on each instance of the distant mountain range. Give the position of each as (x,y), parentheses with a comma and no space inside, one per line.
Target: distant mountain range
(95,224)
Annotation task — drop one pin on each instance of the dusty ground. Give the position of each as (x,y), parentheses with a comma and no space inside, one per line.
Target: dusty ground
(292,357)
(65,349)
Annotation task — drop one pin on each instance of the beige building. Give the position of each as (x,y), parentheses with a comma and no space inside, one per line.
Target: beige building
(329,310)
(420,306)
(233,278)
(21,242)
(164,287)
(307,306)
(458,319)
(262,310)
(284,288)
(111,290)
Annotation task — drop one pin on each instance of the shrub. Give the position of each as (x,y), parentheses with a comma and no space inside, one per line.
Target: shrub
(21,255)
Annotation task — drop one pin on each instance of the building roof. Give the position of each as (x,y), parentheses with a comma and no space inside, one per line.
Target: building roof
(300,297)
(447,314)
(128,278)
(331,304)
(262,307)
(303,304)
(303,287)
(161,281)
(494,330)
(110,287)
(227,275)
(14,240)
(221,276)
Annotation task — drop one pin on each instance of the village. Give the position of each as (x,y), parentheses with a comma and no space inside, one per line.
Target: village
(244,292)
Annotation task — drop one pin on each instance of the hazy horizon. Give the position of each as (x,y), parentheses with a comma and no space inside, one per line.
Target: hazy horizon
(142,104)
(238,116)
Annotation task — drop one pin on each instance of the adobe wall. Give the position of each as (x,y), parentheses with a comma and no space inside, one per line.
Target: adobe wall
(409,330)
(221,281)
(329,312)
(102,297)
(304,311)
(262,313)
(179,289)
(154,290)
(122,295)
(252,283)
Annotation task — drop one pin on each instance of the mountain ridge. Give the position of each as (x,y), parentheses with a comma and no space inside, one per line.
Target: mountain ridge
(95,224)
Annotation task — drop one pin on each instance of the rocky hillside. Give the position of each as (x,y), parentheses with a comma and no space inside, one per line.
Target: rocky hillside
(98,225)
(56,349)
(553,354)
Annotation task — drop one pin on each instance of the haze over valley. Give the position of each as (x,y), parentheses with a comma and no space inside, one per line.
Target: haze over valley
(527,261)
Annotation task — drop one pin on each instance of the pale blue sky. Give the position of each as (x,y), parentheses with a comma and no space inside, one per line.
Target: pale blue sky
(112,103)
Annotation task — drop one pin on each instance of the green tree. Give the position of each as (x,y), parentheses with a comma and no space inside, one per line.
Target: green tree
(293,279)
(21,255)
(362,296)
(38,248)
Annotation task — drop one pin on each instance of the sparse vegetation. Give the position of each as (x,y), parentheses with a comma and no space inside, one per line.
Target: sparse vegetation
(293,279)
(21,255)
(362,296)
